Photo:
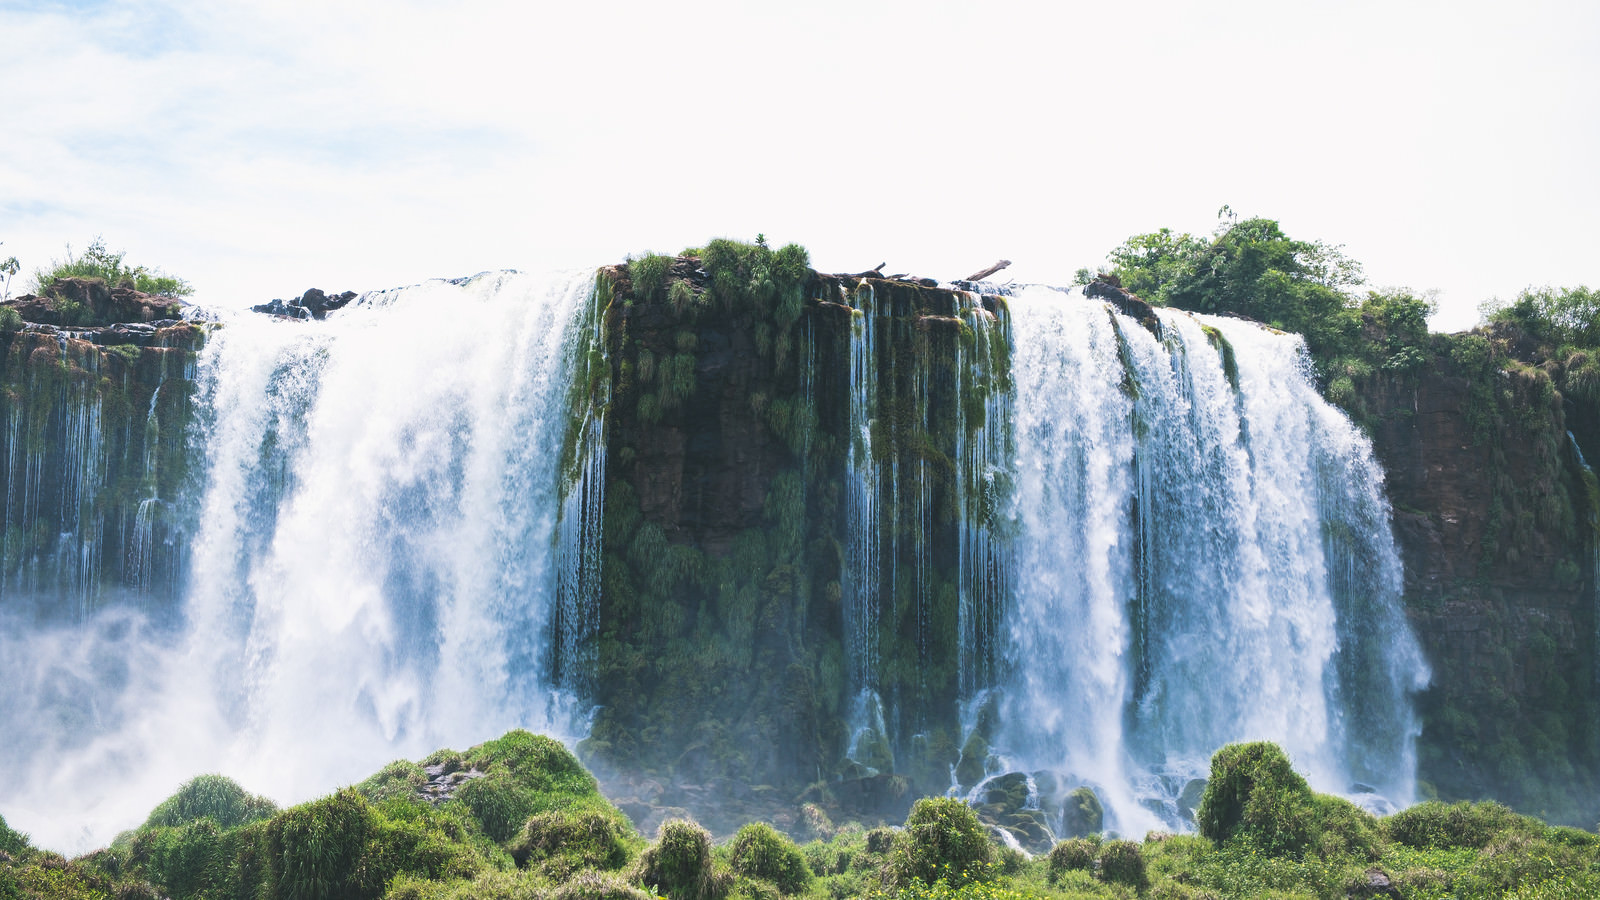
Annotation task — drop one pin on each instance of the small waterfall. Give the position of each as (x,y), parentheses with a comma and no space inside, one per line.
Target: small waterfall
(859,582)
(1591,486)
(1190,514)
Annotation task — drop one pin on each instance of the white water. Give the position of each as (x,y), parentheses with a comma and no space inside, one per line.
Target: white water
(1173,584)
(373,573)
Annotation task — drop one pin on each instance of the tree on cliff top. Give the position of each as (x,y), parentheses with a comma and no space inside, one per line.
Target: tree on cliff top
(99,262)
(1251,268)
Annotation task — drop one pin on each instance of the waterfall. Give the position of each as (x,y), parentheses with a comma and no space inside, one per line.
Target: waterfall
(395,548)
(1591,487)
(859,582)
(1203,555)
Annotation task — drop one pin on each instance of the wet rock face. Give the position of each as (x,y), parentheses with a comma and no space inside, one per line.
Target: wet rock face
(1490,514)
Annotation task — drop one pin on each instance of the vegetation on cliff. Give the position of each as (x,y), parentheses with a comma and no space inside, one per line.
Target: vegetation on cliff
(519,819)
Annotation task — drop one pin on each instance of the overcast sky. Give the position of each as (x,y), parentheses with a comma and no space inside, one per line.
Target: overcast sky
(261,147)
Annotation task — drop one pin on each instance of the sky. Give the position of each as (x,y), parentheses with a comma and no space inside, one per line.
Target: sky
(258,148)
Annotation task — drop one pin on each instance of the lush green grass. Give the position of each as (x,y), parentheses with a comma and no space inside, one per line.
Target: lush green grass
(212,841)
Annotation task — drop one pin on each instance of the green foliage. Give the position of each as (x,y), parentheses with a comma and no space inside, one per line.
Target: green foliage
(10,321)
(499,802)
(400,779)
(1252,268)
(8,268)
(678,865)
(562,842)
(598,886)
(1122,862)
(1440,826)
(318,850)
(1255,795)
(761,852)
(216,797)
(1558,316)
(13,842)
(943,840)
(755,276)
(649,274)
(1073,854)
(107,265)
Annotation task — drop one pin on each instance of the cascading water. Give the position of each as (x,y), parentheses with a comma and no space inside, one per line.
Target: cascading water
(1190,519)
(859,582)
(388,526)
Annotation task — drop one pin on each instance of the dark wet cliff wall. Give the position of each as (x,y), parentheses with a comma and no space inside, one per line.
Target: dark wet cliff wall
(723,679)
(1495,516)
(93,457)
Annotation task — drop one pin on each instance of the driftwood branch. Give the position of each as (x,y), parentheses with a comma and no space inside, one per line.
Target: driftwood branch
(871,273)
(981,274)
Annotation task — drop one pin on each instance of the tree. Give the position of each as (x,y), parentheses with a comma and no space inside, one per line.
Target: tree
(8,267)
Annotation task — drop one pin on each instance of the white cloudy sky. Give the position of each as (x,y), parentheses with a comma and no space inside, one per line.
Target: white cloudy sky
(260,147)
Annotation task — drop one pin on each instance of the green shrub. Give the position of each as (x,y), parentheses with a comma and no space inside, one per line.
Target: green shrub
(1435,825)
(1255,795)
(12,842)
(214,797)
(881,840)
(943,839)
(10,320)
(678,865)
(648,274)
(1072,855)
(499,802)
(598,886)
(400,779)
(186,859)
(759,851)
(317,850)
(1122,862)
(99,262)
(561,842)
(1344,829)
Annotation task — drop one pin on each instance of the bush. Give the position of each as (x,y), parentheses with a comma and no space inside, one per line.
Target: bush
(1072,855)
(678,865)
(648,274)
(761,852)
(1345,829)
(214,797)
(598,886)
(499,802)
(99,262)
(317,849)
(1440,826)
(10,320)
(1123,863)
(943,839)
(1255,795)
(186,859)
(400,779)
(566,841)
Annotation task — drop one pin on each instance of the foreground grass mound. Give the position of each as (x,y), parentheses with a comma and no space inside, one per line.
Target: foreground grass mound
(518,818)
